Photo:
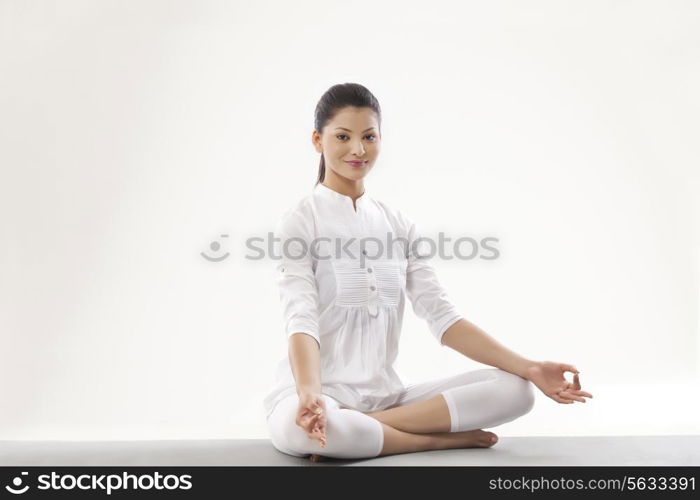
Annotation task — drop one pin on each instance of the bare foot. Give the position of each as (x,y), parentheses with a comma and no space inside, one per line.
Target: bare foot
(465,439)
(444,440)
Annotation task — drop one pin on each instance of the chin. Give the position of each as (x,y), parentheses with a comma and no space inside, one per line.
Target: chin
(357,172)
(356,175)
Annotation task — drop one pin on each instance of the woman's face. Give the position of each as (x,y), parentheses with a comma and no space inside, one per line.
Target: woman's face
(352,134)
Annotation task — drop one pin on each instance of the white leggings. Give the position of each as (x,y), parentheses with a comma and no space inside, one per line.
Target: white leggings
(477,399)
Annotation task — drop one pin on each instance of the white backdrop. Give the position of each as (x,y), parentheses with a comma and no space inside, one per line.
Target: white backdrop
(134,134)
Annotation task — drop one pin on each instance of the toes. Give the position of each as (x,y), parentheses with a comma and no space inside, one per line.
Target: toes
(490,439)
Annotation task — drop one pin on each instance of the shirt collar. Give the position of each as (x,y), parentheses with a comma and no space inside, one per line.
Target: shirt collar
(330,194)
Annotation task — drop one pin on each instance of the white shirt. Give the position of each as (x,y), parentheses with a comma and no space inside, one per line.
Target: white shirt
(352,302)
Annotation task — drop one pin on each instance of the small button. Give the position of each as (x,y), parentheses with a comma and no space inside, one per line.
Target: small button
(364,252)
(373,288)
(282,269)
(369,269)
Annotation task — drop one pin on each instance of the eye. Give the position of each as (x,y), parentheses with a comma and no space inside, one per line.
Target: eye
(339,136)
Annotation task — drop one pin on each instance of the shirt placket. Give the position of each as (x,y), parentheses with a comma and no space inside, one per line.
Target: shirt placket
(373,299)
(357,222)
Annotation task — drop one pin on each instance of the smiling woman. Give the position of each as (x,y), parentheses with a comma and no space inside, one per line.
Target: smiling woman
(337,393)
(350,145)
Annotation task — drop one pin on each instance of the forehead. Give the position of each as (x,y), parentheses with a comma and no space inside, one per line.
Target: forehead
(355,118)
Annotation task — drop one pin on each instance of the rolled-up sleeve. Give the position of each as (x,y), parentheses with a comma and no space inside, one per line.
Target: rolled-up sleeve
(295,277)
(428,298)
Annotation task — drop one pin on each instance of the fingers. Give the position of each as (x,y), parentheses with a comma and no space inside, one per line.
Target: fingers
(306,420)
(318,422)
(571,396)
(560,399)
(311,428)
(575,389)
(320,425)
(312,422)
(568,395)
(319,435)
(581,393)
(321,438)
(312,419)
(569,368)
(318,429)
(577,383)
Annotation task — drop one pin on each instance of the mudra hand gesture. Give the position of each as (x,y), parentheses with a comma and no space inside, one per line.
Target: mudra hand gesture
(548,376)
(311,416)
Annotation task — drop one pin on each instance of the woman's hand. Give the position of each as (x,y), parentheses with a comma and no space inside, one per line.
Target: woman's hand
(549,378)
(311,416)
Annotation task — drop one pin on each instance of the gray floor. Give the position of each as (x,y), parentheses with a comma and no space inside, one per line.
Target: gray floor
(509,451)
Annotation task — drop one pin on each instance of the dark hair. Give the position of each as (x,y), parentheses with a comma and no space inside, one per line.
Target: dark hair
(336,98)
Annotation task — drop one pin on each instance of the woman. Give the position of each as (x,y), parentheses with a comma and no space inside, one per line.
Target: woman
(337,393)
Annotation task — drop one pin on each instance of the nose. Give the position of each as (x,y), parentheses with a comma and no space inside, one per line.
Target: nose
(358,148)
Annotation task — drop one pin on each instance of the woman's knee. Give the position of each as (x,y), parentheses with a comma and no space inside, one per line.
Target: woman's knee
(353,434)
(283,430)
(349,434)
(516,391)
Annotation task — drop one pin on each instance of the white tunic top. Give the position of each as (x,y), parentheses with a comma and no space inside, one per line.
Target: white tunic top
(343,279)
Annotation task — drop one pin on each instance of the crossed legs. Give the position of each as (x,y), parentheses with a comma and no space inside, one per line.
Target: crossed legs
(451,410)
(470,400)
(445,413)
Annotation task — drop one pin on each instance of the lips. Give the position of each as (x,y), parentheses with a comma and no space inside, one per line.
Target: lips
(356,163)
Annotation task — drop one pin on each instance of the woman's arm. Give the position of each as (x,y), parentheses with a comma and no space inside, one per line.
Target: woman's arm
(470,340)
(305,360)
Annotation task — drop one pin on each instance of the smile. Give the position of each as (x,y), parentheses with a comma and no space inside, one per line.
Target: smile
(356,163)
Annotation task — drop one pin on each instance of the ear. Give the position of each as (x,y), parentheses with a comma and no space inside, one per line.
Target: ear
(316,141)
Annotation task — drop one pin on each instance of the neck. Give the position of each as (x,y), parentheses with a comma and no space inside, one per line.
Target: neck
(353,189)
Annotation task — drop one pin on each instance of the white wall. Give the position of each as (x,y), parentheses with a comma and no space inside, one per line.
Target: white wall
(132,134)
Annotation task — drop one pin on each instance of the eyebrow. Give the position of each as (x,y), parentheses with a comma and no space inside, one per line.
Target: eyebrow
(342,128)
